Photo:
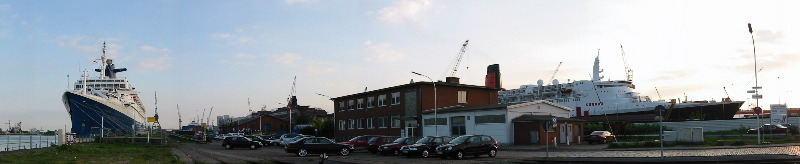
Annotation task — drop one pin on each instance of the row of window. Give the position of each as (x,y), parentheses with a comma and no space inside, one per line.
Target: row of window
(370,123)
(102,86)
(485,119)
(370,103)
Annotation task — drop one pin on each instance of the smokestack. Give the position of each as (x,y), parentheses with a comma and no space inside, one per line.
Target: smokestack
(454,80)
(493,76)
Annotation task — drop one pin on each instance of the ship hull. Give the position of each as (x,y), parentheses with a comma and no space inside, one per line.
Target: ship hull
(89,115)
(681,112)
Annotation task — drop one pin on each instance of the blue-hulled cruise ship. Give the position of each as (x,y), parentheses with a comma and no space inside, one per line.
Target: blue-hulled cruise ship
(104,104)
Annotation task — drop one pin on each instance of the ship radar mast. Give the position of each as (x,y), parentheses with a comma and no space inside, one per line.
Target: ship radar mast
(596,69)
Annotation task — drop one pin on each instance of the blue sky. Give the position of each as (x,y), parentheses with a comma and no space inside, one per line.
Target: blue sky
(203,54)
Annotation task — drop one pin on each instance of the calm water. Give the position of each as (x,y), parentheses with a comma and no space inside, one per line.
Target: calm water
(16,142)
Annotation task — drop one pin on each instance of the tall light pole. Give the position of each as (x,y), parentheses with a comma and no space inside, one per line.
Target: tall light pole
(435,116)
(755,69)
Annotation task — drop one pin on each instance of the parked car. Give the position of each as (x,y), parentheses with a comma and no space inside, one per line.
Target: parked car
(305,146)
(360,142)
(286,138)
(474,145)
(599,137)
(394,147)
(272,139)
(372,144)
(769,129)
(300,137)
(792,128)
(425,147)
(237,141)
(264,142)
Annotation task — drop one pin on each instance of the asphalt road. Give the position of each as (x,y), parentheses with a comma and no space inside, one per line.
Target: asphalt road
(596,153)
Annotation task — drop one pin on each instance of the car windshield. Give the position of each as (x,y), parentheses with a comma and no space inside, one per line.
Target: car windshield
(399,140)
(597,133)
(460,139)
(354,139)
(373,139)
(425,140)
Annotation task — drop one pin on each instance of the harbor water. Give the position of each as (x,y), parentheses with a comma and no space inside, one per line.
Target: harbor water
(18,142)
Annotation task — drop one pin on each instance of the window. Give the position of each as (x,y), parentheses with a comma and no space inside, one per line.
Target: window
(396,98)
(382,122)
(462,97)
(341,124)
(350,104)
(360,104)
(381,100)
(341,106)
(352,124)
(370,102)
(395,121)
(361,123)
(370,125)
(490,119)
(440,121)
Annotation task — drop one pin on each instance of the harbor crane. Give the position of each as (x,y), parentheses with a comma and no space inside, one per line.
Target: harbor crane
(727,99)
(208,120)
(659,94)
(628,70)
(552,77)
(457,61)
(180,122)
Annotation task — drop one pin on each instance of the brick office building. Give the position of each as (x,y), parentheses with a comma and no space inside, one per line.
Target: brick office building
(396,110)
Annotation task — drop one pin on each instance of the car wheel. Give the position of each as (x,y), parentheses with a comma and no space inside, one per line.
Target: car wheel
(228,147)
(492,153)
(459,155)
(344,151)
(396,152)
(425,154)
(253,147)
(302,152)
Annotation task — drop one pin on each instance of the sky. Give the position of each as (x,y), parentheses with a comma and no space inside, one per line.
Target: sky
(208,54)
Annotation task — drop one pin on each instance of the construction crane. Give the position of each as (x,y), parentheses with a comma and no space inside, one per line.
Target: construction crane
(727,99)
(659,94)
(208,120)
(552,77)
(628,70)
(180,122)
(457,61)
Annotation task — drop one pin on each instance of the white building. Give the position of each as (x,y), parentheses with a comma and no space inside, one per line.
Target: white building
(524,122)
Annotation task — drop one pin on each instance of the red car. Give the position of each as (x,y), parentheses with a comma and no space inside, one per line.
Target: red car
(599,137)
(360,142)
(393,148)
(372,144)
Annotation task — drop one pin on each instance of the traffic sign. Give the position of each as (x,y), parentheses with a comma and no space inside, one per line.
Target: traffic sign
(757,110)
(554,119)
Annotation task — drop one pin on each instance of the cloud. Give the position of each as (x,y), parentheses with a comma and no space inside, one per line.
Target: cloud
(381,52)
(158,63)
(301,1)
(767,36)
(221,35)
(318,69)
(154,49)
(404,10)
(244,55)
(287,59)
(5,6)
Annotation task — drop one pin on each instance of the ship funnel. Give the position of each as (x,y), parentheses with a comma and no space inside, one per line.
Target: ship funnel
(493,76)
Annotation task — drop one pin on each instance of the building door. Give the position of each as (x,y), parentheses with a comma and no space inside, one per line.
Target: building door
(457,126)
(534,137)
(562,133)
(410,131)
(569,133)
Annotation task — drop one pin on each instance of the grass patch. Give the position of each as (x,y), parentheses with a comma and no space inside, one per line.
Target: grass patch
(96,153)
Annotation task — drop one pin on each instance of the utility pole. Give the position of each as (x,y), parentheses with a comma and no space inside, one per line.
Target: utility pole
(755,67)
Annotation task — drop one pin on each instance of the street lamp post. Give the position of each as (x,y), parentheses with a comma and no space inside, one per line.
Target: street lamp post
(435,116)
